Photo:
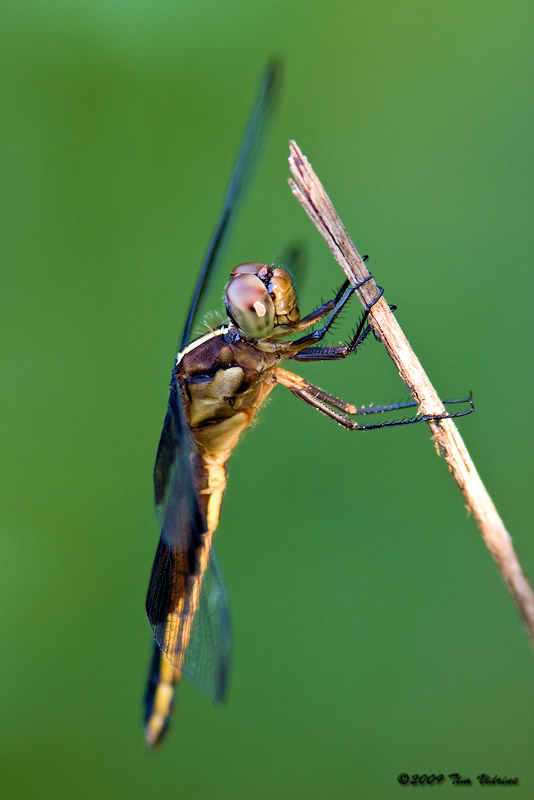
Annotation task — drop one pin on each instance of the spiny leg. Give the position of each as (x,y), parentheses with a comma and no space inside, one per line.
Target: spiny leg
(336,352)
(297,384)
(316,336)
(321,311)
(289,349)
(398,406)
(322,402)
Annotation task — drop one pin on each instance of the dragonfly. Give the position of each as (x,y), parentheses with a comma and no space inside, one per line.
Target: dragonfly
(218,383)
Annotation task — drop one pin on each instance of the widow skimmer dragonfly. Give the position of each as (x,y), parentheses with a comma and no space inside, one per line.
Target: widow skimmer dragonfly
(218,383)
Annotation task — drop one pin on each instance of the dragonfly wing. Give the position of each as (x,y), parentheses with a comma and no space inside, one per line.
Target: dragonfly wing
(293,259)
(181,542)
(208,656)
(175,497)
(238,183)
(186,603)
(206,661)
(196,637)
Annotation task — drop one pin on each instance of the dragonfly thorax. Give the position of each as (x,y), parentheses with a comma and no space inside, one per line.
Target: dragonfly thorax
(260,298)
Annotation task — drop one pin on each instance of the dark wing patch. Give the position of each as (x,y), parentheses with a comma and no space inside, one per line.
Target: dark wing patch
(207,648)
(177,506)
(181,524)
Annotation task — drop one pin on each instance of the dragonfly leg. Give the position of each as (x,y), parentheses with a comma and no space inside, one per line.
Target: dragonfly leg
(316,336)
(335,353)
(399,406)
(321,311)
(299,386)
(332,406)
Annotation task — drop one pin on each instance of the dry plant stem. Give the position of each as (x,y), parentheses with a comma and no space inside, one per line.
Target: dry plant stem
(309,191)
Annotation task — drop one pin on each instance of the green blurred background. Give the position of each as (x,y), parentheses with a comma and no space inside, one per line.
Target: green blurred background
(373,634)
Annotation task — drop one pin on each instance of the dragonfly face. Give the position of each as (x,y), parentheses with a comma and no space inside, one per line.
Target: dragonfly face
(261,300)
(217,385)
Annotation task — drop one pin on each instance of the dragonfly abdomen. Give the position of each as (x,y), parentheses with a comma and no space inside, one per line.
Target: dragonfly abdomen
(209,473)
(158,701)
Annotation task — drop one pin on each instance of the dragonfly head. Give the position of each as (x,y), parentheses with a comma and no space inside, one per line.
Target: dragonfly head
(260,298)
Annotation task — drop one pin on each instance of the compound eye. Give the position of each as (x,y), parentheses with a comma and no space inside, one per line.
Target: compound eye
(249,268)
(250,306)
